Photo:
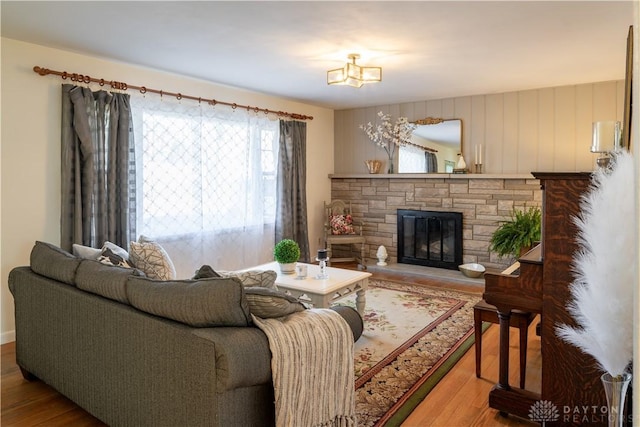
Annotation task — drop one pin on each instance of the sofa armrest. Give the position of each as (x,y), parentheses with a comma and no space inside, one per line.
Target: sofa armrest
(243,357)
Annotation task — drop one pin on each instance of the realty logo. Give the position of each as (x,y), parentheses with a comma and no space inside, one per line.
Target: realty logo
(543,411)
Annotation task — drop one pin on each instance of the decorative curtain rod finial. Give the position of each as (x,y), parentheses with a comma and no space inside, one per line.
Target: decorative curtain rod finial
(41,71)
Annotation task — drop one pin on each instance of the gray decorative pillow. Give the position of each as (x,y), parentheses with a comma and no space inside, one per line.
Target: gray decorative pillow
(153,260)
(267,303)
(88,252)
(104,280)
(261,278)
(108,257)
(199,303)
(204,272)
(51,261)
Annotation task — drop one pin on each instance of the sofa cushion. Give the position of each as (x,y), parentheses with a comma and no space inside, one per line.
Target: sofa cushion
(199,303)
(262,278)
(51,261)
(152,259)
(267,303)
(104,280)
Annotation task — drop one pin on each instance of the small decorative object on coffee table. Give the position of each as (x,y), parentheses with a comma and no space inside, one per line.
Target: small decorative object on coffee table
(322,259)
(301,271)
(286,253)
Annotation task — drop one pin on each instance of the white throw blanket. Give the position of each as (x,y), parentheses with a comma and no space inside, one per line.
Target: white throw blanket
(312,368)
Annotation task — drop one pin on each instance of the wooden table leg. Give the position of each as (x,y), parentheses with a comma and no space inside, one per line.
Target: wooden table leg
(361,299)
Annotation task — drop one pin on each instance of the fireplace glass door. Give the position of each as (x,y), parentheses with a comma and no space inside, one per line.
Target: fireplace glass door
(430,238)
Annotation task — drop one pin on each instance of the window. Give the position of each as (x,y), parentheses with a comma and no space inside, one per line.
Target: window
(206,182)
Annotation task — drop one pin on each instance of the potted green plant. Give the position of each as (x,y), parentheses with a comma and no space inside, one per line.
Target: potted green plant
(517,235)
(287,253)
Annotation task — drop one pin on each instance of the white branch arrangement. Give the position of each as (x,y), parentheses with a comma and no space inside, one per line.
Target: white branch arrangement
(605,269)
(388,135)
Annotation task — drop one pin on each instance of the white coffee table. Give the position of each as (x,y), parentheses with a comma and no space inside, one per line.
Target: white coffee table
(322,292)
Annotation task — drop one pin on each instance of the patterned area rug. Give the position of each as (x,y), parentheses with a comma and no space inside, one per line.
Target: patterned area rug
(410,332)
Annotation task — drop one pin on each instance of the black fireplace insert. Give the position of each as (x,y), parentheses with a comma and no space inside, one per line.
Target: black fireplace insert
(429,238)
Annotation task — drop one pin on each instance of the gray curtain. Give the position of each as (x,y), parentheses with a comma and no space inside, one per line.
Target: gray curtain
(431,162)
(98,168)
(291,205)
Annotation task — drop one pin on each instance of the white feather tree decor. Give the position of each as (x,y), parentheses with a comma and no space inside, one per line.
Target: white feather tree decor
(605,269)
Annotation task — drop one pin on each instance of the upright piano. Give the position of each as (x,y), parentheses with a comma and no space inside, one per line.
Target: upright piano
(570,378)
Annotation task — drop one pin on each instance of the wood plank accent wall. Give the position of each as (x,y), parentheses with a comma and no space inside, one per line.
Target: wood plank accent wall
(545,129)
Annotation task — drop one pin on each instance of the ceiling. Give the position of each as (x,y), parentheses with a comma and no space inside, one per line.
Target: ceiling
(427,49)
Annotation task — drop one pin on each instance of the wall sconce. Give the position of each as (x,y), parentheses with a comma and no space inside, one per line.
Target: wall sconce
(605,140)
(354,75)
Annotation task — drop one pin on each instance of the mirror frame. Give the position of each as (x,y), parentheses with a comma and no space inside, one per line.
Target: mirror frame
(437,120)
(429,121)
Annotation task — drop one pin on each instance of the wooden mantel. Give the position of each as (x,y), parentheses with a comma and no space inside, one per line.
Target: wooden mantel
(431,176)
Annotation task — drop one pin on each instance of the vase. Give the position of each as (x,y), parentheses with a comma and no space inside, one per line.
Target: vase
(616,391)
(373,165)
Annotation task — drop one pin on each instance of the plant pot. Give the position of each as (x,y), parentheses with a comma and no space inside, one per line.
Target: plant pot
(288,268)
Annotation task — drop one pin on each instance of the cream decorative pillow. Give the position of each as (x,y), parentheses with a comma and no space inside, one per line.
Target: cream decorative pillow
(153,260)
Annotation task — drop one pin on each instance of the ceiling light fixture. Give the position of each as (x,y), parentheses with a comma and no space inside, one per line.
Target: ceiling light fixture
(354,75)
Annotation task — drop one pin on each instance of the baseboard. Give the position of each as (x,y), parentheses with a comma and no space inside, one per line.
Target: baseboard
(7,337)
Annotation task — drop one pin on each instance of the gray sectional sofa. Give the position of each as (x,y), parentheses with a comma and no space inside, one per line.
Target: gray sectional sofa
(138,352)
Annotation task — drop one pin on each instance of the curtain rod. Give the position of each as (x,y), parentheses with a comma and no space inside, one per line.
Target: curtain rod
(431,150)
(83,78)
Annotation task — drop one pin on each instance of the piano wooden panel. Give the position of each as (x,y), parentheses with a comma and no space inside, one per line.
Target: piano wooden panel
(570,378)
(518,292)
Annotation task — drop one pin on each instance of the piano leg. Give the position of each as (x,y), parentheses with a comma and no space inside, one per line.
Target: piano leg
(504,318)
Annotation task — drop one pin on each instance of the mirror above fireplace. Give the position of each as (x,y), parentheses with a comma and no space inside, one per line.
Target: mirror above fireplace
(434,148)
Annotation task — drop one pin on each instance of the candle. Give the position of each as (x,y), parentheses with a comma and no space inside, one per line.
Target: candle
(322,254)
(476,156)
(480,155)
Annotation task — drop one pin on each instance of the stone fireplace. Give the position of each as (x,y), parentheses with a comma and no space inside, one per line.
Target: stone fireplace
(483,200)
(430,238)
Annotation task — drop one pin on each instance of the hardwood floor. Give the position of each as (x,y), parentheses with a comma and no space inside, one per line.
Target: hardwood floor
(459,399)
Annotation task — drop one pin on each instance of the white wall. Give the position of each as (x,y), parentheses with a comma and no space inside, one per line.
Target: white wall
(30,146)
(540,130)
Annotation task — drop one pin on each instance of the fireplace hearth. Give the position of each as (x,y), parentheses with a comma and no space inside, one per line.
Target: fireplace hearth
(430,238)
